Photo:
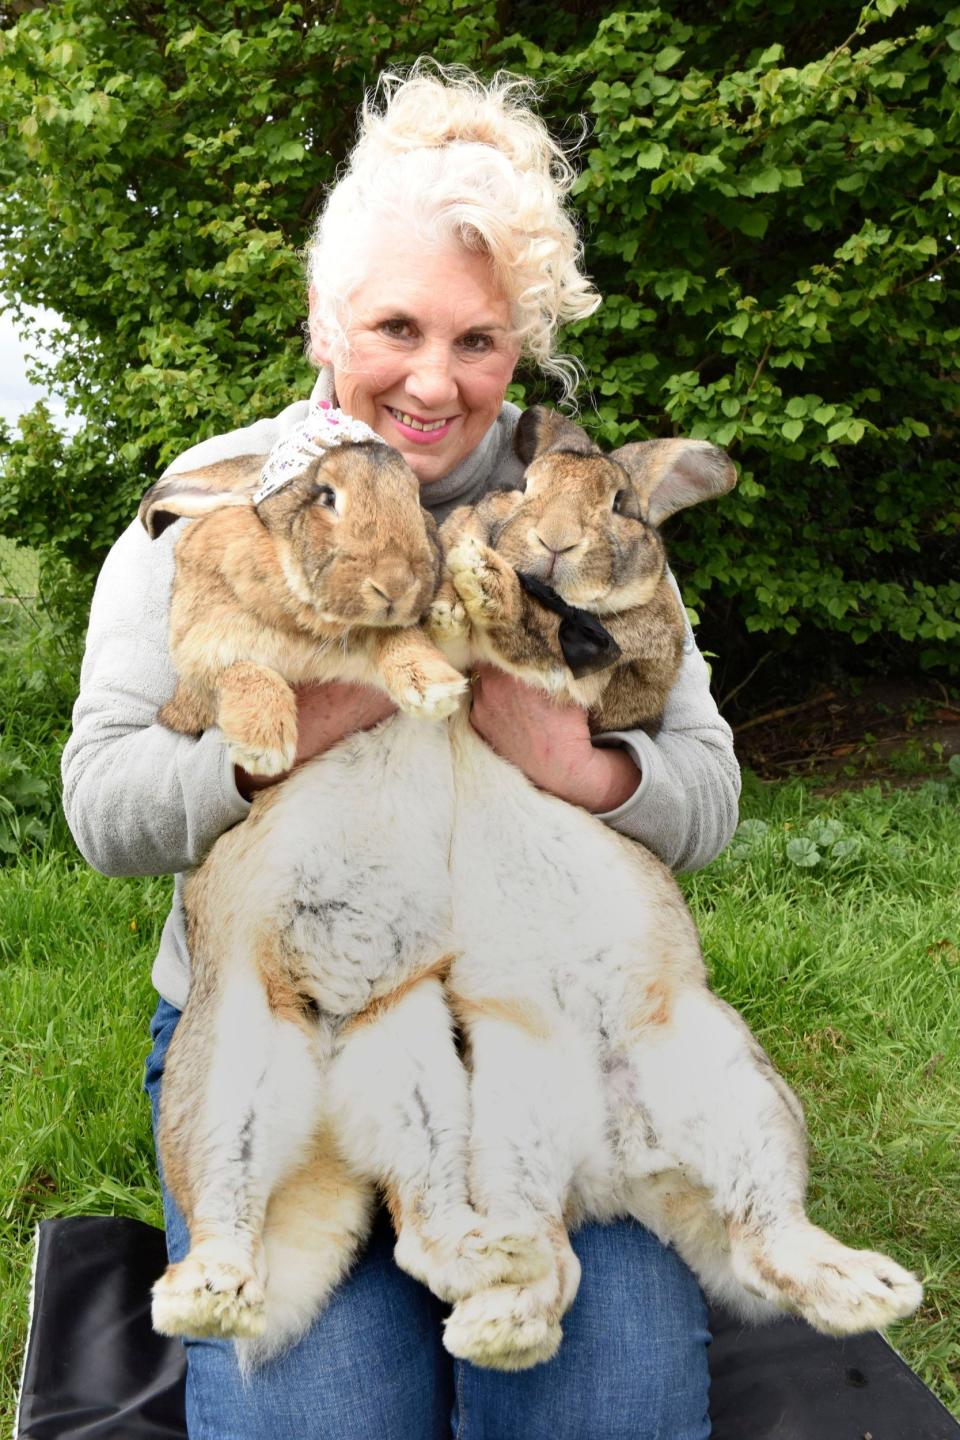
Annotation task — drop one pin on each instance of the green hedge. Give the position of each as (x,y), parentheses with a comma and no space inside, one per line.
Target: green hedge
(768,194)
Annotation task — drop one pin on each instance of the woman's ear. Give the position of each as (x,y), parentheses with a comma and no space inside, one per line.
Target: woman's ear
(320,349)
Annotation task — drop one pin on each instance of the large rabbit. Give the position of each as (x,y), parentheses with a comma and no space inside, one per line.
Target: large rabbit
(606,1078)
(315,566)
(316,1032)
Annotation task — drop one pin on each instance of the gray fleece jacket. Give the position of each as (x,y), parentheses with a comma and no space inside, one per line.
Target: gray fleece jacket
(141,800)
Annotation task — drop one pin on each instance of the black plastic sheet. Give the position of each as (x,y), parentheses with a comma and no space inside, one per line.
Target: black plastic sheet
(94,1369)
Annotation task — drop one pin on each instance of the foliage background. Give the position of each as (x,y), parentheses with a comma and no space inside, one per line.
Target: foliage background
(767,196)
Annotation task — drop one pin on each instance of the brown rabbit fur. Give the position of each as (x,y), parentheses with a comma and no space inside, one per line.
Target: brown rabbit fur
(586,525)
(324,579)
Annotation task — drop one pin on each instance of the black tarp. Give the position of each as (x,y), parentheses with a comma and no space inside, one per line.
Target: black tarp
(94,1369)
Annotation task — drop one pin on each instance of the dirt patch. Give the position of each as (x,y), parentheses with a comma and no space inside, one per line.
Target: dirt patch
(900,730)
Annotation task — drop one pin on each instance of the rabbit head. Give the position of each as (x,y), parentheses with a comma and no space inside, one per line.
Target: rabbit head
(348,535)
(586,523)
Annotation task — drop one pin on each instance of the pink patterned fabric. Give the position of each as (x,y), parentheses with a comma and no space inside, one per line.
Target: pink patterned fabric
(324,428)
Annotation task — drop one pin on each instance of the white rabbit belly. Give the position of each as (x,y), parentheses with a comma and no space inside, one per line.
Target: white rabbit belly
(557,896)
(356,885)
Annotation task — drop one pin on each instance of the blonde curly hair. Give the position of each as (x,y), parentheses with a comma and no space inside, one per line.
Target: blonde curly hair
(449,157)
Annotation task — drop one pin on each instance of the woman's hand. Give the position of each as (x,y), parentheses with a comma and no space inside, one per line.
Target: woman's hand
(549,742)
(326,714)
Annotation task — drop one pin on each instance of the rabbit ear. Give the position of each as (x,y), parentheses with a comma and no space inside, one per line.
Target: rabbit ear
(197,492)
(540,429)
(670,475)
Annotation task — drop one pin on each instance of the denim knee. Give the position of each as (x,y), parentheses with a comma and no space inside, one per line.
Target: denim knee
(632,1365)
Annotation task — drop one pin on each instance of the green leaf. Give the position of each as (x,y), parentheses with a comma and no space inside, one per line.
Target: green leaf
(753,223)
(650,157)
(824,831)
(667,58)
(803,852)
(766,181)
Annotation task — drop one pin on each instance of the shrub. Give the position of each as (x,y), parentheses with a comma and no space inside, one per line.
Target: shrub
(767,194)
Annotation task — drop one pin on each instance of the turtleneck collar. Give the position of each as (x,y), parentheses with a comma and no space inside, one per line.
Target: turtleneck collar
(462,482)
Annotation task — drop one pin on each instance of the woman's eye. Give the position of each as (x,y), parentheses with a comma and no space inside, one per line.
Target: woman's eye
(326,497)
(396,328)
(477,343)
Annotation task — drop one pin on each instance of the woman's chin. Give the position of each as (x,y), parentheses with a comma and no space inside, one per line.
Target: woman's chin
(426,465)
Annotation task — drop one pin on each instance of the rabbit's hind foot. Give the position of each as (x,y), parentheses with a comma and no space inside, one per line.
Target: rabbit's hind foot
(483,1255)
(504,1328)
(837,1290)
(212,1292)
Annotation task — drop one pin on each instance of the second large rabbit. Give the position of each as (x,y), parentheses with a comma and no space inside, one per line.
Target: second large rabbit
(607,1079)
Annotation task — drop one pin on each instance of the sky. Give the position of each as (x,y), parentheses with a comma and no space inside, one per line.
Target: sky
(16,392)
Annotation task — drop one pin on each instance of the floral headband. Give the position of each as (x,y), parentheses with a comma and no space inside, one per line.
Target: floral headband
(324,429)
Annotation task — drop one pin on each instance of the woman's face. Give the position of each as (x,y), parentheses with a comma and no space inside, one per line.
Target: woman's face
(430,352)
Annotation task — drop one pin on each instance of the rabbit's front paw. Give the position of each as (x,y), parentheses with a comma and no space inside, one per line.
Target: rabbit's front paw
(263,759)
(447,619)
(481,579)
(257,714)
(837,1290)
(431,691)
(210,1292)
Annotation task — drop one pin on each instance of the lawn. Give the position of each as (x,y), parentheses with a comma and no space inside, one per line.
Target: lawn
(832,924)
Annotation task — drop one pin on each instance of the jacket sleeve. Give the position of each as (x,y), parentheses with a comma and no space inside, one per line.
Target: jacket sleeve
(139,799)
(686,806)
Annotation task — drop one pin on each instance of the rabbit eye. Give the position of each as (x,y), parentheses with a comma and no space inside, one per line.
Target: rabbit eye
(327,497)
(620,501)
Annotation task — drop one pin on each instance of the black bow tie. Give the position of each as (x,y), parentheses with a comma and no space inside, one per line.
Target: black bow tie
(586,645)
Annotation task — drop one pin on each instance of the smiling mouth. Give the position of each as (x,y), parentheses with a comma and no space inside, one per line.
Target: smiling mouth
(411,421)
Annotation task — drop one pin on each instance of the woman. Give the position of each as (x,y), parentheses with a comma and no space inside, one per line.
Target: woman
(441,256)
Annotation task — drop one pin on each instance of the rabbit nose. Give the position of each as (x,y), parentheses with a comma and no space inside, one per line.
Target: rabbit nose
(390,589)
(557,543)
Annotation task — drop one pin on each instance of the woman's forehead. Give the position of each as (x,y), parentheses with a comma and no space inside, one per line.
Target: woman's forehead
(449,284)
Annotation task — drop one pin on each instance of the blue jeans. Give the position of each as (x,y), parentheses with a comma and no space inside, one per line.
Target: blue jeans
(633,1362)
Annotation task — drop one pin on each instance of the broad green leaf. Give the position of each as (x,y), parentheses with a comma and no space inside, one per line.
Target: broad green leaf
(803,852)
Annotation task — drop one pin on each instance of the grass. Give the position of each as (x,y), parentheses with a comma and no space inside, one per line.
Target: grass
(848,970)
(849,973)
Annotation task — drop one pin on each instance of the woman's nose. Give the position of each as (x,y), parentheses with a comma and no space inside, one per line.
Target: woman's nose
(430,379)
